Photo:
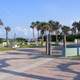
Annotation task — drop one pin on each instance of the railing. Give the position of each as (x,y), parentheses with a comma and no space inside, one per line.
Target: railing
(56,49)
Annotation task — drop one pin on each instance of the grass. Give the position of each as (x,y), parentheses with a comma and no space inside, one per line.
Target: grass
(27,46)
(30,46)
(75,57)
(6,49)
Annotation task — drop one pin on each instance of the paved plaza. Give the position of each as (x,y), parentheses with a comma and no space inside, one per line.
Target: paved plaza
(33,64)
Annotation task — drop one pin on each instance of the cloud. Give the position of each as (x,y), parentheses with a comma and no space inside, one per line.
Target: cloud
(23,32)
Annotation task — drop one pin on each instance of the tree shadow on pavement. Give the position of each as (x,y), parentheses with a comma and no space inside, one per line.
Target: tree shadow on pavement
(32,55)
(4,65)
(21,74)
(65,68)
(33,50)
(3,62)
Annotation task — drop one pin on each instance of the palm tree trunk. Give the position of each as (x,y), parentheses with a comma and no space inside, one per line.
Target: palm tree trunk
(49,43)
(7,37)
(38,34)
(38,38)
(77,44)
(33,35)
(64,44)
(42,40)
(56,37)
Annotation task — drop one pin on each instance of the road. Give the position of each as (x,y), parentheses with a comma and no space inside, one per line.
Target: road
(33,64)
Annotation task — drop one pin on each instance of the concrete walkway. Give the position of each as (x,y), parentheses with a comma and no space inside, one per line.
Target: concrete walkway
(31,64)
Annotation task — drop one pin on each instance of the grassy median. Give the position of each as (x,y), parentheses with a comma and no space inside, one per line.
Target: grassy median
(6,49)
(75,57)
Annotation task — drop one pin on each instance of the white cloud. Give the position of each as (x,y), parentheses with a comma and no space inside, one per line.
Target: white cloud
(24,32)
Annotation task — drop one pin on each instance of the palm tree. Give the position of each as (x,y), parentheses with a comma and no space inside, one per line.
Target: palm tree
(65,30)
(57,27)
(43,28)
(33,24)
(77,26)
(73,30)
(1,23)
(38,28)
(54,27)
(7,29)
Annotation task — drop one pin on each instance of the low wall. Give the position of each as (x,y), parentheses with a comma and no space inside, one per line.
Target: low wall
(72,50)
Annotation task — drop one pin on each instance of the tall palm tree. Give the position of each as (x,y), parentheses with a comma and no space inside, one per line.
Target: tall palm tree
(43,28)
(57,27)
(38,28)
(33,24)
(7,29)
(65,30)
(1,23)
(54,26)
(73,30)
(77,26)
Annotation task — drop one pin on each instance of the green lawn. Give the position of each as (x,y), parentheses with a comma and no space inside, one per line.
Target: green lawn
(6,49)
(75,57)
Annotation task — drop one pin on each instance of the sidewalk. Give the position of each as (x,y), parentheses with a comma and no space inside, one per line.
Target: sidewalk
(28,65)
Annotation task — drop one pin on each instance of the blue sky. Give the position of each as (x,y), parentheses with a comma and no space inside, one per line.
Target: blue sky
(18,14)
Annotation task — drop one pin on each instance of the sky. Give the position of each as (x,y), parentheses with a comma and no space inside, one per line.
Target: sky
(18,14)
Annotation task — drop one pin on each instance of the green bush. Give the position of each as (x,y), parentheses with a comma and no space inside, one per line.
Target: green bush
(71,38)
(77,36)
(1,40)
